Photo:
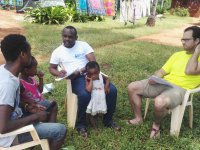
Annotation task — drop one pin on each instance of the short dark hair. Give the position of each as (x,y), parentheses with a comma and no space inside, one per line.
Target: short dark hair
(32,63)
(71,28)
(12,45)
(196,31)
(91,65)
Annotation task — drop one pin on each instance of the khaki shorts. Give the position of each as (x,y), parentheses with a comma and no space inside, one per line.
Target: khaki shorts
(175,93)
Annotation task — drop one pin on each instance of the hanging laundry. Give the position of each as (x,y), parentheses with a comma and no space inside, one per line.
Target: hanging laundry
(81,6)
(131,10)
(116,7)
(51,3)
(109,6)
(145,7)
(12,2)
(126,11)
(138,8)
(95,7)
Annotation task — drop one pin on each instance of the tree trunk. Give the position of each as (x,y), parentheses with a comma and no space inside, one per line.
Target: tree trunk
(162,4)
(151,20)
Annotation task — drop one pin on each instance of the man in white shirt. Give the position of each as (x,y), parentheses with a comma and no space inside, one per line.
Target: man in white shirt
(72,56)
(17,53)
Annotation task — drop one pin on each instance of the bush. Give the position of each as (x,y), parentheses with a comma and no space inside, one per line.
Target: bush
(96,18)
(182,12)
(48,15)
(160,10)
(59,15)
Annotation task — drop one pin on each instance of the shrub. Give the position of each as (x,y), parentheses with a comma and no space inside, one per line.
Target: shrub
(48,15)
(59,15)
(78,17)
(182,12)
(160,10)
(96,18)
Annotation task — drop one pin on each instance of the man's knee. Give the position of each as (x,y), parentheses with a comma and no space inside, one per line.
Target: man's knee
(161,102)
(113,89)
(134,87)
(84,98)
(60,131)
(84,95)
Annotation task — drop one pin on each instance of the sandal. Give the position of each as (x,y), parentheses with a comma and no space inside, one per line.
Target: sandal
(83,132)
(155,133)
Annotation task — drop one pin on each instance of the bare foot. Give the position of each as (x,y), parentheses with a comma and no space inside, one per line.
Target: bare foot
(134,121)
(155,131)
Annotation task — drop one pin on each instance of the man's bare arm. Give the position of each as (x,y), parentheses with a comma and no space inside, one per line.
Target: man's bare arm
(8,125)
(90,57)
(160,73)
(54,71)
(193,66)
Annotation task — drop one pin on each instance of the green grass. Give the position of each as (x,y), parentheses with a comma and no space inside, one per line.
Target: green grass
(44,39)
(128,61)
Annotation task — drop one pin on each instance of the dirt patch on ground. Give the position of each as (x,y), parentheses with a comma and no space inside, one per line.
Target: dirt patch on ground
(9,24)
(170,37)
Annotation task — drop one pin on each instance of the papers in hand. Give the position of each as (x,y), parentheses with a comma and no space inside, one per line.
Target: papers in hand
(67,76)
(160,81)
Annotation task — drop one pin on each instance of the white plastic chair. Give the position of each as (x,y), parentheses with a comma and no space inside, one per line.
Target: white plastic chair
(71,102)
(36,140)
(178,112)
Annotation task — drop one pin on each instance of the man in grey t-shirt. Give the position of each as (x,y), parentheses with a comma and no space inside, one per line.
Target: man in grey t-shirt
(17,53)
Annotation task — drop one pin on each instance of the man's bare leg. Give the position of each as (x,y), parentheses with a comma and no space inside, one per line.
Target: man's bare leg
(160,111)
(135,90)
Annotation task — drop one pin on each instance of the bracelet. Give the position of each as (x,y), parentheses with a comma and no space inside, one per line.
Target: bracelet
(25,107)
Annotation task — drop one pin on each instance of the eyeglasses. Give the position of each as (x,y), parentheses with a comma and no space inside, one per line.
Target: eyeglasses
(186,40)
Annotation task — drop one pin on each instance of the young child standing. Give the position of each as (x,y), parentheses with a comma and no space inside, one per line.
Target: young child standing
(98,85)
(31,92)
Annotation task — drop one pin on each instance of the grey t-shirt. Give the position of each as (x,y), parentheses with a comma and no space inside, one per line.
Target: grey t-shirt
(9,95)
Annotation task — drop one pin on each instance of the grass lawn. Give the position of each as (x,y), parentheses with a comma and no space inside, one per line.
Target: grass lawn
(127,62)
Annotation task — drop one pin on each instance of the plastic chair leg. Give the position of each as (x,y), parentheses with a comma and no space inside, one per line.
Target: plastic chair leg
(146,107)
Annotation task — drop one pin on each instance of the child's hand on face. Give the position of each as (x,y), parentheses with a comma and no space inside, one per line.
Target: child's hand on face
(107,89)
(40,74)
(88,78)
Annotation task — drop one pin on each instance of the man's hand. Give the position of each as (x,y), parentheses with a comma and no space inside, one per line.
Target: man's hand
(107,89)
(151,82)
(197,49)
(34,108)
(62,73)
(42,116)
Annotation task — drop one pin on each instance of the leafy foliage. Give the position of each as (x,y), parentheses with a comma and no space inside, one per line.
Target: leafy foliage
(48,15)
(180,11)
(160,10)
(59,15)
